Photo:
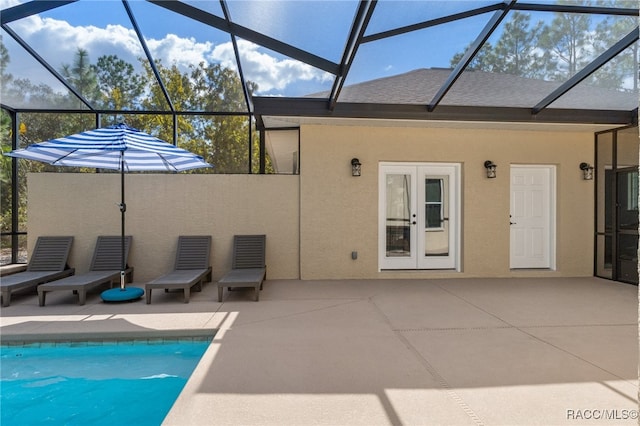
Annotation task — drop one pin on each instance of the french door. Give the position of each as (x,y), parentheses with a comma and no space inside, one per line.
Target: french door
(419,216)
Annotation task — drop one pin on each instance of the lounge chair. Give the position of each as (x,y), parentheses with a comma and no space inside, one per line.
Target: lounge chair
(248,268)
(192,267)
(48,262)
(105,269)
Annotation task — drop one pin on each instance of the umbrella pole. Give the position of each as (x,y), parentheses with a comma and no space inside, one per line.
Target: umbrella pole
(123,294)
(123,209)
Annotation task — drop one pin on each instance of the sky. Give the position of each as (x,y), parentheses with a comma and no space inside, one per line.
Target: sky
(320,27)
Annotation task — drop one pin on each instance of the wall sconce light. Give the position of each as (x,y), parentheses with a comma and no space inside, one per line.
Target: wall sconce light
(587,171)
(491,169)
(356,167)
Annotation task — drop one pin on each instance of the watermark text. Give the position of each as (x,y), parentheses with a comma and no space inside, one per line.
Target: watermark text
(601,414)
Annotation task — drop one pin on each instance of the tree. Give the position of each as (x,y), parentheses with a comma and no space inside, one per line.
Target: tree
(219,88)
(516,50)
(5,78)
(567,44)
(181,93)
(483,61)
(6,168)
(223,140)
(559,49)
(82,77)
(622,72)
(118,82)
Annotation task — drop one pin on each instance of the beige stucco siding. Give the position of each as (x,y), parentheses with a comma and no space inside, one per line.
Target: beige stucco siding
(339,213)
(316,220)
(162,206)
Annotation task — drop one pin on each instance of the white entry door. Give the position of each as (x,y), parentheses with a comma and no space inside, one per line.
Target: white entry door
(419,216)
(532,217)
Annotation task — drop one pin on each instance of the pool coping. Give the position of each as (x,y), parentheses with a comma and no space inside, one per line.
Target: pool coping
(108,336)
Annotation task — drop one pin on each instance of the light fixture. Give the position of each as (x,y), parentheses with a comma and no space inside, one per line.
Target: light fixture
(356,167)
(587,171)
(491,169)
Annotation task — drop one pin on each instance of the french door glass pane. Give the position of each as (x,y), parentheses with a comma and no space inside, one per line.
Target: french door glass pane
(398,221)
(433,203)
(436,227)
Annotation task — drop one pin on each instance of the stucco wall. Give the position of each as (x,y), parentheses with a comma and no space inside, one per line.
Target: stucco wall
(160,207)
(316,220)
(339,213)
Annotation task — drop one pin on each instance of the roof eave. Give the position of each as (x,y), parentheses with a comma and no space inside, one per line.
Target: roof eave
(315,107)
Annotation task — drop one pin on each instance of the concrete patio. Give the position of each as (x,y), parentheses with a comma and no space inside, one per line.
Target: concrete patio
(546,351)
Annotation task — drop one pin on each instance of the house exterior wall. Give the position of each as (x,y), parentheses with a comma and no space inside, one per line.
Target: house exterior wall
(339,213)
(316,220)
(160,207)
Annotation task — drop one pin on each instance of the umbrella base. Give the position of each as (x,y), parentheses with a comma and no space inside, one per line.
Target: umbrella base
(127,294)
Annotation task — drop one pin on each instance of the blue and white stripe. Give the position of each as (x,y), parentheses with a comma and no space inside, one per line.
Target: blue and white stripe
(103,148)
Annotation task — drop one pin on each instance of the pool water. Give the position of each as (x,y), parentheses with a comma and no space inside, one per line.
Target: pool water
(123,383)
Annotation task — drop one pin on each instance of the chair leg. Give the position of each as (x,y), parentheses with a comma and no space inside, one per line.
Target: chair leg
(257,290)
(41,298)
(148,294)
(220,290)
(82,297)
(187,294)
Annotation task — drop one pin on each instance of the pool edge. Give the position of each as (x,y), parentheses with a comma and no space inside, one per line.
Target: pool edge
(13,339)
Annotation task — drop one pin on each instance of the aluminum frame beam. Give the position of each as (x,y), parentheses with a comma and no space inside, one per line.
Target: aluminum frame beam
(473,50)
(316,107)
(46,65)
(147,53)
(431,23)
(31,8)
(248,34)
(565,8)
(236,52)
(361,20)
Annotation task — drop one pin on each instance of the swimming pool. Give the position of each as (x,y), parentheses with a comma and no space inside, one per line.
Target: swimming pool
(94,383)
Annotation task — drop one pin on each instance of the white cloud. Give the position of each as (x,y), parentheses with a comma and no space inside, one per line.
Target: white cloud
(267,71)
(57,42)
(180,51)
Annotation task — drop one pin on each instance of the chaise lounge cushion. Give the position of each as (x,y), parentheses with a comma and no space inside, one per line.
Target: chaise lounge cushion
(105,269)
(48,262)
(248,267)
(192,267)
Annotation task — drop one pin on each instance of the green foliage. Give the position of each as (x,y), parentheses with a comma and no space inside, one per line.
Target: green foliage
(5,78)
(113,84)
(517,52)
(567,45)
(5,172)
(119,85)
(625,65)
(81,75)
(557,50)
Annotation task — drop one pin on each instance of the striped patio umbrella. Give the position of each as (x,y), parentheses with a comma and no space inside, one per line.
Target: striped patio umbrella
(117,147)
